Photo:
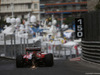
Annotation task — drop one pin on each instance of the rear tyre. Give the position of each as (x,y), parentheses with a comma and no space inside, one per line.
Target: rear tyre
(19,61)
(49,60)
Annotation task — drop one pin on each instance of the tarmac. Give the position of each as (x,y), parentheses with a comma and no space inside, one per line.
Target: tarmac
(61,67)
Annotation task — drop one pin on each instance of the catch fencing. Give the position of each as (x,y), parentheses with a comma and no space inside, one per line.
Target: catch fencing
(60,51)
(91,39)
(11,46)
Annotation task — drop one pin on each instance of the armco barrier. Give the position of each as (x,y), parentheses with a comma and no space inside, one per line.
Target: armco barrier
(12,49)
(91,39)
(60,51)
(91,51)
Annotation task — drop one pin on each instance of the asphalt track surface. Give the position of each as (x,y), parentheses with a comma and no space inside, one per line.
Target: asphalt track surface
(61,67)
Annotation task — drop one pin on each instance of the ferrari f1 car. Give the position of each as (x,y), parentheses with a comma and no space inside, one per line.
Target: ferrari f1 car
(34,56)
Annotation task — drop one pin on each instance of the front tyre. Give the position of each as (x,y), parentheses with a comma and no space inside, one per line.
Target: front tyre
(49,60)
(19,61)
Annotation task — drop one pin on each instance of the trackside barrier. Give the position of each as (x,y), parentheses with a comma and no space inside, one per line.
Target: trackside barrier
(60,51)
(91,51)
(11,46)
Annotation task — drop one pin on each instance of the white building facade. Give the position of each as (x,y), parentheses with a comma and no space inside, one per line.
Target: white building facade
(20,8)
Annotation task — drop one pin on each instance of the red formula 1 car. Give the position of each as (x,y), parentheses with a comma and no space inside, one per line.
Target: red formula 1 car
(34,56)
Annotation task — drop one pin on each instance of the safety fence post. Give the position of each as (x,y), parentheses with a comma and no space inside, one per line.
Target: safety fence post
(52,50)
(33,43)
(24,46)
(65,52)
(5,44)
(46,48)
(21,45)
(14,46)
(27,42)
(11,50)
(59,53)
(71,51)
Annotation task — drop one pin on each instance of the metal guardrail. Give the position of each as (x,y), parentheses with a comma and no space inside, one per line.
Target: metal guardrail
(91,60)
(91,45)
(12,48)
(91,39)
(91,55)
(91,42)
(15,48)
(60,51)
(91,51)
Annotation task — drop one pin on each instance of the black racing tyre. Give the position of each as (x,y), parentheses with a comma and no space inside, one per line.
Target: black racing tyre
(19,61)
(49,60)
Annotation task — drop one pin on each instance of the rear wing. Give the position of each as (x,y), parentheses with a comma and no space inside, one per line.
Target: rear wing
(33,49)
